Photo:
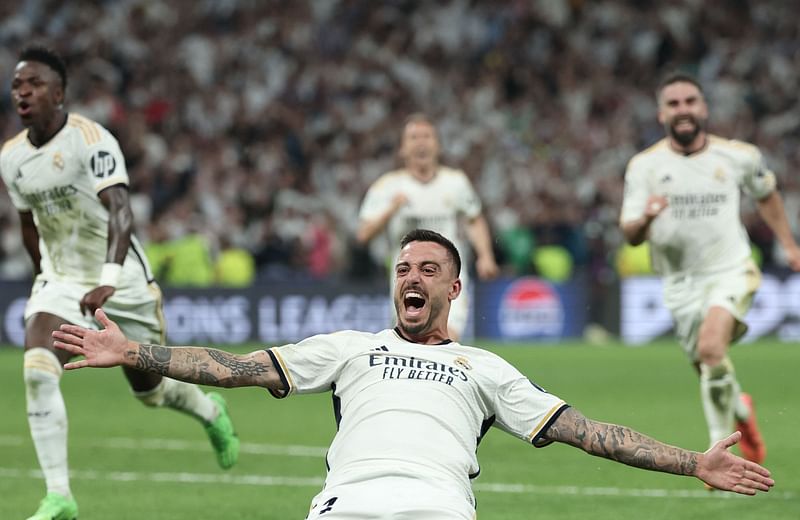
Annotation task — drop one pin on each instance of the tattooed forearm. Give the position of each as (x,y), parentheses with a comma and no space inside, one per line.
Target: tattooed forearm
(153,358)
(203,365)
(622,444)
(238,367)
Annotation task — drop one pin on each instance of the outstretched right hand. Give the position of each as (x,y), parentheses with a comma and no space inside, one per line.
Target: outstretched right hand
(100,348)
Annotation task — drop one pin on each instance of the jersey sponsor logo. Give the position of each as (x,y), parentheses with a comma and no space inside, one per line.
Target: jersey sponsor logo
(696,205)
(530,308)
(103,164)
(402,367)
(53,201)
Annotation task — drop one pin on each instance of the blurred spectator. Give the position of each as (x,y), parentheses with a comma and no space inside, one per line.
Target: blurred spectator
(264,122)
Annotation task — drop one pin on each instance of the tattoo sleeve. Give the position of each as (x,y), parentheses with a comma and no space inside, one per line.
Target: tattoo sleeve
(621,444)
(206,366)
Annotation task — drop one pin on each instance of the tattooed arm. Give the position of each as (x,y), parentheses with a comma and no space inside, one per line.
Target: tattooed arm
(207,366)
(717,467)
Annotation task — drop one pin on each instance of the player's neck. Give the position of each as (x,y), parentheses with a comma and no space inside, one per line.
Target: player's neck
(436,337)
(423,172)
(698,144)
(39,135)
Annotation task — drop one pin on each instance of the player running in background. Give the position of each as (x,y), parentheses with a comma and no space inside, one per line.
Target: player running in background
(425,194)
(683,195)
(411,405)
(66,176)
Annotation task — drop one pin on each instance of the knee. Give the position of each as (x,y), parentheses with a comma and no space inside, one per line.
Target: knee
(718,371)
(40,366)
(711,351)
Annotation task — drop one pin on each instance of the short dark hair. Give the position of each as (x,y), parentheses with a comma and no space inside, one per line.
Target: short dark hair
(677,77)
(426,235)
(42,54)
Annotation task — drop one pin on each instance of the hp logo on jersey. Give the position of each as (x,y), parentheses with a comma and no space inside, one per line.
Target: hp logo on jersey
(103,164)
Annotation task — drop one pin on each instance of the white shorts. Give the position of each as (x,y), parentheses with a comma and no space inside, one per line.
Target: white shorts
(136,309)
(390,498)
(689,298)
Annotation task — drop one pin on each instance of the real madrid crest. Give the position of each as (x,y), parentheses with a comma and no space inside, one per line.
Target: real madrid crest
(58,161)
(463,363)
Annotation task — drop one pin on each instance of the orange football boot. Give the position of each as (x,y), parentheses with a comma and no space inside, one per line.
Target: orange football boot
(752,444)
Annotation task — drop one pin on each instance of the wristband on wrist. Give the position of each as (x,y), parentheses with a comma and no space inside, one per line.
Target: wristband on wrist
(110,274)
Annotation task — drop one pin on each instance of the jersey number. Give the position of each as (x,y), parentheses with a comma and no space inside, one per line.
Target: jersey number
(328,505)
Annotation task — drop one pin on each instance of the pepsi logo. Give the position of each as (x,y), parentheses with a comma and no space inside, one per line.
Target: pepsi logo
(530,308)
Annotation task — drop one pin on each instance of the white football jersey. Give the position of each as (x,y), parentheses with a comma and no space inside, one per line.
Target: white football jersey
(413,410)
(437,205)
(701,230)
(59,183)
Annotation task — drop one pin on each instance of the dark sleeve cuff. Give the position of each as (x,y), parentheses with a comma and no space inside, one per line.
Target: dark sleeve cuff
(279,394)
(539,441)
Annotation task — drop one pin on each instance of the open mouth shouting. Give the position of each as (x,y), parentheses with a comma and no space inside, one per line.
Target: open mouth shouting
(414,303)
(685,124)
(24,109)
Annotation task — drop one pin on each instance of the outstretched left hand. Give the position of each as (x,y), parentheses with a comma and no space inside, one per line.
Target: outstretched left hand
(721,469)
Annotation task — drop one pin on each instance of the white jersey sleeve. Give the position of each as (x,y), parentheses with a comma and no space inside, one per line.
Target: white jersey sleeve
(524,409)
(9,173)
(309,366)
(378,198)
(104,161)
(636,191)
(469,202)
(758,180)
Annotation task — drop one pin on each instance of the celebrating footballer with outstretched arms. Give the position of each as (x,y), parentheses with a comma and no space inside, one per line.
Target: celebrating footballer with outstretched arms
(411,404)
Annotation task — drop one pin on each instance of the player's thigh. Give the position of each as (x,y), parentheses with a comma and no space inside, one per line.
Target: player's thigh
(732,291)
(50,305)
(715,335)
(38,334)
(685,303)
(138,313)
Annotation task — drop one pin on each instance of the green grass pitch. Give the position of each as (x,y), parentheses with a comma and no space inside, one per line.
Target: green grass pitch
(130,462)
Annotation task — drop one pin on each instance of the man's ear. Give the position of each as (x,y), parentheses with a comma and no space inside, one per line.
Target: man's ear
(455,289)
(59,95)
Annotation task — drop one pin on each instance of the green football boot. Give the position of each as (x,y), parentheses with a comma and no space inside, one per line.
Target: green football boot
(55,506)
(222,435)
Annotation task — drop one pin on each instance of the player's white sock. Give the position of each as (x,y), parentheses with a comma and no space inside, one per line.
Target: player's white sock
(47,417)
(719,393)
(740,410)
(181,396)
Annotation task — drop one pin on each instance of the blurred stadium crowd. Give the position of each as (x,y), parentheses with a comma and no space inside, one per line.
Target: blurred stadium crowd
(252,128)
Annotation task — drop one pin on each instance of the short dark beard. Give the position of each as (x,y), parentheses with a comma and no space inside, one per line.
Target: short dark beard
(686,138)
(413,330)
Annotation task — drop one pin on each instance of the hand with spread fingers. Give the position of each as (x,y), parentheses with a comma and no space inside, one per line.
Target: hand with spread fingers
(100,348)
(721,469)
